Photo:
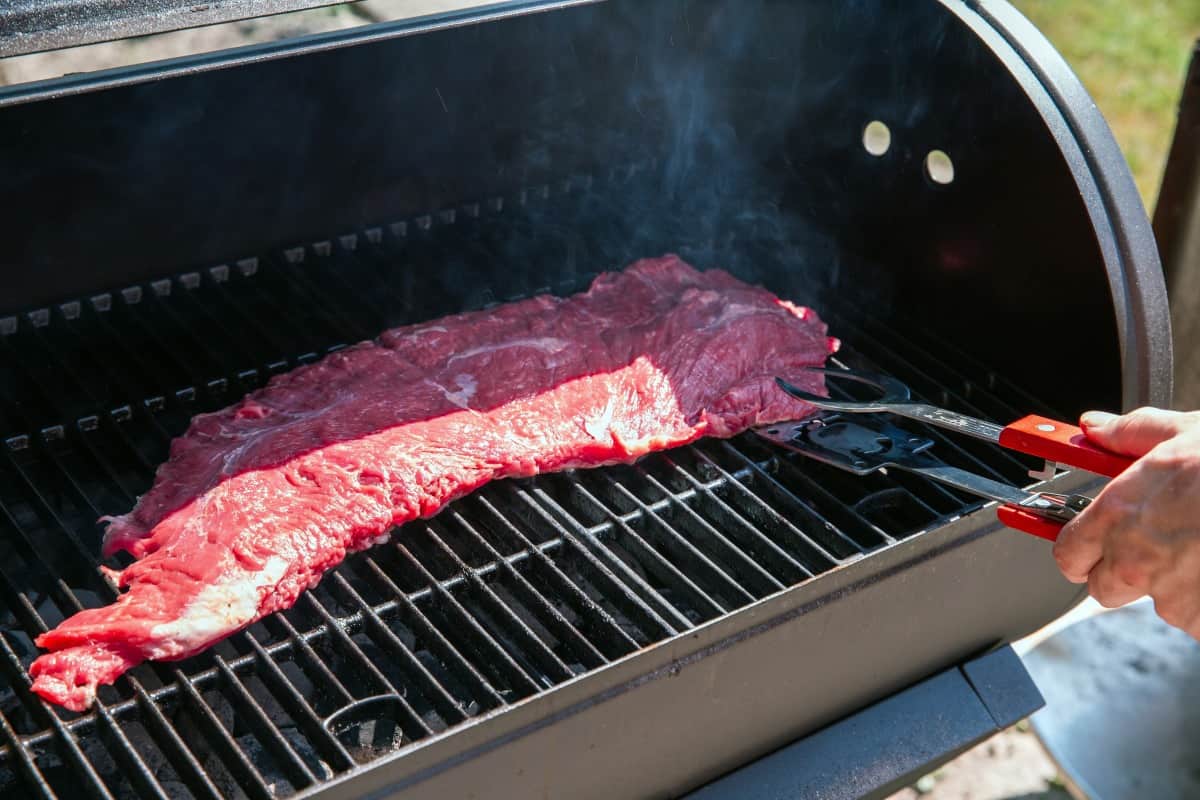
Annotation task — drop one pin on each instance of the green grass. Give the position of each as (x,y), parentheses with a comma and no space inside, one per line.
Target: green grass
(1132,56)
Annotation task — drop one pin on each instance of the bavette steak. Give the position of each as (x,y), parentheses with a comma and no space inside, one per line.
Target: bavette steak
(258,500)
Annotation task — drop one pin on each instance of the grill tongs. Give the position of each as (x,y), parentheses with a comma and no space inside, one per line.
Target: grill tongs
(867,444)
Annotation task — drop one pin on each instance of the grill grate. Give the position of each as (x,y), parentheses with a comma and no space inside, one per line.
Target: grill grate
(510,591)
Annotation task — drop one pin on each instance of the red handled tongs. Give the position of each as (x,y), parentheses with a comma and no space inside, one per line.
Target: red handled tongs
(865,444)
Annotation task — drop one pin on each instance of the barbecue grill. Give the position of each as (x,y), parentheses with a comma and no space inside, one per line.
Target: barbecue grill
(929,176)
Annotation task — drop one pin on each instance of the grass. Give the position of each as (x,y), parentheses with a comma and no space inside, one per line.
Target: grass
(1132,56)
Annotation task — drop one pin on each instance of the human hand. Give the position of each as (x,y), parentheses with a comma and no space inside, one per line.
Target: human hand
(1141,535)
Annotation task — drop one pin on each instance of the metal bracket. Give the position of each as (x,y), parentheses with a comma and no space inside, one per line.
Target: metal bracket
(887,746)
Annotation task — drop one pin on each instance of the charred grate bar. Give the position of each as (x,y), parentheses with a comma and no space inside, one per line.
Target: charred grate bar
(507,593)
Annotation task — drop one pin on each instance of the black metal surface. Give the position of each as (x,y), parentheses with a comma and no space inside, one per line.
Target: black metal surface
(1004,686)
(1175,209)
(512,591)
(1177,229)
(879,750)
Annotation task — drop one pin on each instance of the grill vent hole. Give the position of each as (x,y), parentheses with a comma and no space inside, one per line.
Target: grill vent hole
(877,138)
(939,167)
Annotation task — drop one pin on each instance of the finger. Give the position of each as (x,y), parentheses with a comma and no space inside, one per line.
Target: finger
(1108,588)
(1079,547)
(1135,433)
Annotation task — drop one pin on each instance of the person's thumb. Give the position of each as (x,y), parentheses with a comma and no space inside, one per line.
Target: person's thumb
(1135,433)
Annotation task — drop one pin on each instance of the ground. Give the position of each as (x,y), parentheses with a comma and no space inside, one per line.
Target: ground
(1130,54)
(1010,766)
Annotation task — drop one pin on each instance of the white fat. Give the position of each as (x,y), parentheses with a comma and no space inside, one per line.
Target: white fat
(283,420)
(547,344)
(363,545)
(217,610)
(466,390)
(421,331)
(462,396)
(373,541)
(598,428)
(732,311)
(467,383)
(230,462)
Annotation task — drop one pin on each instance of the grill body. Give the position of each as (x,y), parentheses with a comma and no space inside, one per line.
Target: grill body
(185,230)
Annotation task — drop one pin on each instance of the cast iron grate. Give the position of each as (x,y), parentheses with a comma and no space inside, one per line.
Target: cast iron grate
(507,593)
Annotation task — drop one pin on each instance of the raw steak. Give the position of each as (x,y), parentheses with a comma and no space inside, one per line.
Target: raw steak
(258,500)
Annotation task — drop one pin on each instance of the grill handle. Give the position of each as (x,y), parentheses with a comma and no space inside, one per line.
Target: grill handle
(1021,520)
(1062,443)
(1059,443)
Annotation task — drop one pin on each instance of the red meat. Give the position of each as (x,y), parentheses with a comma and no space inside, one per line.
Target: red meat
(258,500)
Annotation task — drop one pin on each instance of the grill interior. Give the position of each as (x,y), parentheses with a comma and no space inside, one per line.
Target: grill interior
(507,593)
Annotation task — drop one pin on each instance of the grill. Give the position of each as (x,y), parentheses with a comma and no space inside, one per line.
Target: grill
(635,630)
(516,589)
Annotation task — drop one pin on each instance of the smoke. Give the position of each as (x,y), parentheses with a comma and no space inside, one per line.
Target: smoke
(705,131)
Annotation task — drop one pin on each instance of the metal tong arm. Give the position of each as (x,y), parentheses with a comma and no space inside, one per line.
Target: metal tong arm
(896,399)
(1040,513)
(949,420)
(969,482)
(1048,509)
(874,443)
(1057,442)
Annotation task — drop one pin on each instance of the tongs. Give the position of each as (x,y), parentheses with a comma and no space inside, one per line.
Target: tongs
(867,444)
